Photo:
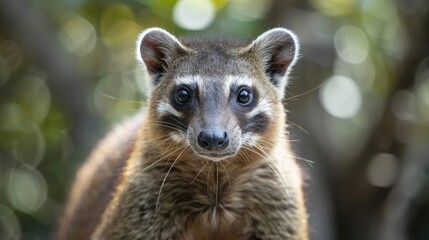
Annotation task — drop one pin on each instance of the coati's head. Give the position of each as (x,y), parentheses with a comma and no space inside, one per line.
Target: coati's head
(218,98)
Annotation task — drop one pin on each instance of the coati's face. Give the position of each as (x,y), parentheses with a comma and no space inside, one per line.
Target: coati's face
(218,98)
(214,115)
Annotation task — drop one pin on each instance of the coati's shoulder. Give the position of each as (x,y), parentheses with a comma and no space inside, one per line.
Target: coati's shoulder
(97,179)
(114,148)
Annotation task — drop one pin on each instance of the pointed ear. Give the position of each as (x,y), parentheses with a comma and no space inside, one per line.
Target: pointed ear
(278,50)
(156,48)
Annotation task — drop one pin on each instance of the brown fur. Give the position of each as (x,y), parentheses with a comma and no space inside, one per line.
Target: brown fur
(96,182)
(228,198)
(141,184)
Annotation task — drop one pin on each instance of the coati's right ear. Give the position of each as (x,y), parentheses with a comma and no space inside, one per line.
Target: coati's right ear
(278,50)
(156,48)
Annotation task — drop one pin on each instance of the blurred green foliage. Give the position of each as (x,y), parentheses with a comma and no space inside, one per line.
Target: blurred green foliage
(364,72)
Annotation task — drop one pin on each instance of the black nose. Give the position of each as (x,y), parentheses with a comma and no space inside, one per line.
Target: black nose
(213,140)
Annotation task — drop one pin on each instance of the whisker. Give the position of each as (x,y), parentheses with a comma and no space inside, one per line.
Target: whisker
(266,94)
(168,125)
(121,99)
(193,180)
(226,211)
(163,182)
(299,127)
(291,156)
(214,208)
(181,124)
(208,177)
(217,184)
(268,161)
(301,94)
(226,172)
(266,141)
(149,166)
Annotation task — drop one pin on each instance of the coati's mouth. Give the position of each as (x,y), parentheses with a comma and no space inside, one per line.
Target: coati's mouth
(216,157)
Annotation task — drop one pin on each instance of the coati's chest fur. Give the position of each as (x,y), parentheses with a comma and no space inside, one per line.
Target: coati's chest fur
(211,201)
(208,159)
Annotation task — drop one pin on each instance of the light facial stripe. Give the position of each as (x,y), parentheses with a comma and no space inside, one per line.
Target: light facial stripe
(192,80)
(263,107)
(250,139)
(189,80)
(177,137)
(165,108)
(232,80)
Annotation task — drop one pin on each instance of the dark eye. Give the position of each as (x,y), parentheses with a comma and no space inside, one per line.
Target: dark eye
(244,97)
(182,96)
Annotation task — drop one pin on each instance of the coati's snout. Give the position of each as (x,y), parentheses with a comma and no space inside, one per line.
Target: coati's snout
(214,131)
(213,140)
(214,144)
(216,98)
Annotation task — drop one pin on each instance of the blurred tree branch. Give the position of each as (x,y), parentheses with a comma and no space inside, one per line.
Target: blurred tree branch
(33,32)
(353,182)
(364,211)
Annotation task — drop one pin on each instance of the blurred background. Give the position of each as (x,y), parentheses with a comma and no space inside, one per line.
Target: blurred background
(358,104)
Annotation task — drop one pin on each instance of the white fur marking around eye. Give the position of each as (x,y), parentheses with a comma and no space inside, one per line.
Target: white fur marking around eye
(232,80)
(165,108)
(189,80)
(250,139)
(263,107)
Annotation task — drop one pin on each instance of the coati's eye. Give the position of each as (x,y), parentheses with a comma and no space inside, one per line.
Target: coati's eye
(182,96)
(244,97)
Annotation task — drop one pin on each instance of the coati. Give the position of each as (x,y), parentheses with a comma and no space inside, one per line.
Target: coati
(208,159)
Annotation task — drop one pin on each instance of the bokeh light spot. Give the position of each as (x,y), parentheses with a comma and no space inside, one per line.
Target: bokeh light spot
(403,105)
(77,34)
(12,53)
(11,117)
(118,26)
(116,98)
(382,170)
(334,7)
(32,94)
(9,225)
(381,9)
(395,38)
(248,10)
(219,4)
(114,13)
(26,188)
(21,138)
(363,73)
(422,90)
(341,97)
(194,14)
(351,44)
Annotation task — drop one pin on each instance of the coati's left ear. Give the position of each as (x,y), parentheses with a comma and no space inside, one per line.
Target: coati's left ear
(278,49)
(156,48)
